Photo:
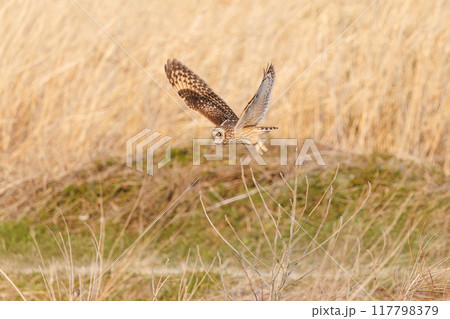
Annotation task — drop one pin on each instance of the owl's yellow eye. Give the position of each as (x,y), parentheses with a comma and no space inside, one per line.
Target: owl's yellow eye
(219,134)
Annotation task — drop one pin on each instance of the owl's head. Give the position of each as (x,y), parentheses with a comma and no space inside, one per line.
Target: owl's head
(218,135)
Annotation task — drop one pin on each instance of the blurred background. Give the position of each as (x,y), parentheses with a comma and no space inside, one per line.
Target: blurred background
(71,97)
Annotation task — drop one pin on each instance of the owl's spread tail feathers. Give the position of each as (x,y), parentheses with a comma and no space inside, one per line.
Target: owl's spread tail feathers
(267,128)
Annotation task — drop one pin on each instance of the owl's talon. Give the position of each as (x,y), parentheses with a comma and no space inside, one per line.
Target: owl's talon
(260,147)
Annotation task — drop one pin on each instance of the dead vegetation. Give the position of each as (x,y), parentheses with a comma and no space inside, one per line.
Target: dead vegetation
(377,101)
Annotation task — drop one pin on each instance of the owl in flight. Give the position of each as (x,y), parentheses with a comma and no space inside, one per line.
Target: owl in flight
(229,128)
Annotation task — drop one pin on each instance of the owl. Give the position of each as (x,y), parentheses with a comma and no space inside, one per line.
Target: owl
(229,128)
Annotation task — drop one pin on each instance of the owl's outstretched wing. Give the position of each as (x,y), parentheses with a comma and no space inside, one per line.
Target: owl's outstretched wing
(256,109)
(197,94)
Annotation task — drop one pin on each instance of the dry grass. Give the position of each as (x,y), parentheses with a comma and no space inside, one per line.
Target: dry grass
(69,96)
(268,278)
(244,237)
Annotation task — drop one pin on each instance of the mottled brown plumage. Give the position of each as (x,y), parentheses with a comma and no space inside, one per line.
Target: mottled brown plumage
(197,94)
(256,109)
(200,97)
